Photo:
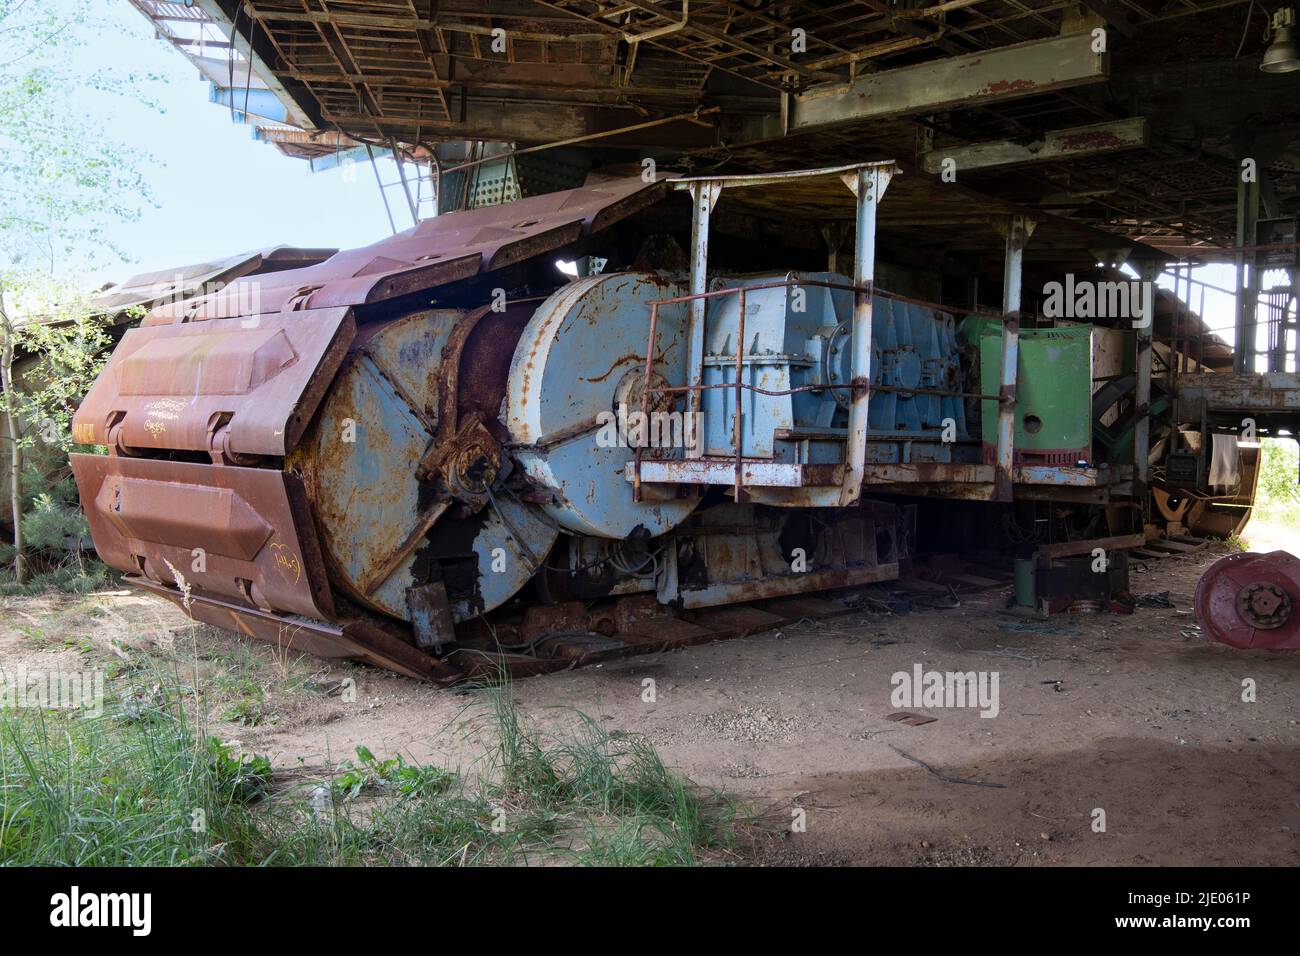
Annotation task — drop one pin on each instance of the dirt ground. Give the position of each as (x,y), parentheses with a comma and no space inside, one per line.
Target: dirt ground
(1137,716)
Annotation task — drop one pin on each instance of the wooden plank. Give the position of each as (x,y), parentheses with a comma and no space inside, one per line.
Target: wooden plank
(1065,549)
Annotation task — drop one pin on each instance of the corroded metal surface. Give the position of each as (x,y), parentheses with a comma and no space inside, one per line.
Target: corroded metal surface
(1251,601)
(437,252)
(400,494)
(351,639)
(241,534)
(574,396)
(149,289)
(361,456)
(389,491)
(230,386)
(1239,392)
(289,460)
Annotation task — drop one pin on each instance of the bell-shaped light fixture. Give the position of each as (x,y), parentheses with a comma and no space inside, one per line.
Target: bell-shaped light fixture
(1281,55)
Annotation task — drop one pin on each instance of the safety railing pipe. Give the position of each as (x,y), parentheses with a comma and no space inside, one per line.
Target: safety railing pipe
(645,394)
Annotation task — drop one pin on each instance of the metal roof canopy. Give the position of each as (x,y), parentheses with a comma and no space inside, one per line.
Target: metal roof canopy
(980,79)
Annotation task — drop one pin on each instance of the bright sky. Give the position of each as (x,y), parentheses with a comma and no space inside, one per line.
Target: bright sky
(217,190)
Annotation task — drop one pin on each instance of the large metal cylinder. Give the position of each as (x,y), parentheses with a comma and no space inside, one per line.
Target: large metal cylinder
(1252,601)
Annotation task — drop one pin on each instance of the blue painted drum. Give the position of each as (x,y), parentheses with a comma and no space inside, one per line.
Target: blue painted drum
(573,403)
(383,526)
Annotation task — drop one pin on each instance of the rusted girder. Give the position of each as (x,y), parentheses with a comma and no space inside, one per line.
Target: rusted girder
(1025,69)
(1076,142)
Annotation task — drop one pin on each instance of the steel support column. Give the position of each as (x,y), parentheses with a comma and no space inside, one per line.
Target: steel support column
(1018,231)
(868,185)
(703,197)
(1148,270)
(1247,273)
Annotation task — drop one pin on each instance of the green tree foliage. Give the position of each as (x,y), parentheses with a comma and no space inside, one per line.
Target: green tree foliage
(1279,471)
(64,179)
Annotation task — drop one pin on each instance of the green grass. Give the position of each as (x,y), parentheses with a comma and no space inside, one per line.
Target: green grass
(143,785)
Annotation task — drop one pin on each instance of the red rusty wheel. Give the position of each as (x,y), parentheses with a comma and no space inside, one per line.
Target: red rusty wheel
(1252,600)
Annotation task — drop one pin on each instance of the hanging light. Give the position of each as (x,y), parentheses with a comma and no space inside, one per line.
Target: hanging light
(1281,55)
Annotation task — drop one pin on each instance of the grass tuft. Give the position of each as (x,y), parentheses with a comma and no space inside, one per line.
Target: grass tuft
(142,784)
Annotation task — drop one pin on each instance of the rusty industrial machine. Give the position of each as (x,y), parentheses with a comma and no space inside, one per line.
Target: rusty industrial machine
(554,430)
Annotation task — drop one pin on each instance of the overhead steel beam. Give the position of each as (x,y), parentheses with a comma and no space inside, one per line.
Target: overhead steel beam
(1073,143)
(1114,16)
(527,121)
(975,79)
(293,109)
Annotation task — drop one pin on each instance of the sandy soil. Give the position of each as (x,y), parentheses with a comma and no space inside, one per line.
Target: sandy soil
(1137,716)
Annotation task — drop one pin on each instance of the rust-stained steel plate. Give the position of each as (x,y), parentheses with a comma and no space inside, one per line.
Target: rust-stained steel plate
(444,249)
(175,386)
(353,639)
(257,544)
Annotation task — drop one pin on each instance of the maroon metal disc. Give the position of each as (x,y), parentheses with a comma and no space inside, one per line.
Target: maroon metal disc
(1252,600)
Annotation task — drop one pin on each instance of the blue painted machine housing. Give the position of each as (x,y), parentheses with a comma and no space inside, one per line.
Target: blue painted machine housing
(798,336)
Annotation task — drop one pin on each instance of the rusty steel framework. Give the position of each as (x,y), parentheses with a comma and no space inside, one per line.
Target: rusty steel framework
(1018,140)
(412,73)
(230,489)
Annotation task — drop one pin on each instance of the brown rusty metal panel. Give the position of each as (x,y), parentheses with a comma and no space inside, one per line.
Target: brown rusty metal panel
(354,639)
(256,544)
(438,251)
(256,381)
(735,592)
(930,471)
(1241,391)
(150,289)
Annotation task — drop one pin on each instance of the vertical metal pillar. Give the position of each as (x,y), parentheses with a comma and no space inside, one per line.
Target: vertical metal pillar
(868,184)
(703,197)
(834,234)
(406,189)
(1018,231)
(382,195)
(1290,343)
(1148,270)
(1247,274)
